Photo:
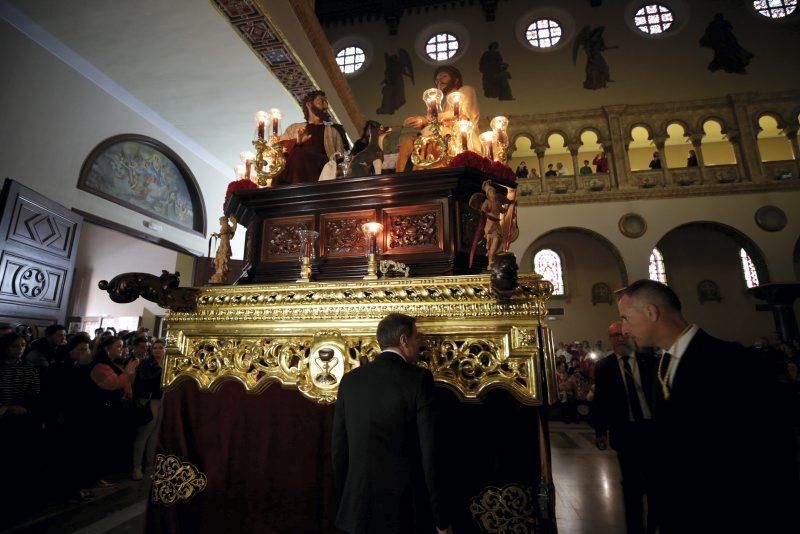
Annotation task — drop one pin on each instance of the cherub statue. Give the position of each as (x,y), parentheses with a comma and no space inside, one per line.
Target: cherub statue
(493,208)
(223,256)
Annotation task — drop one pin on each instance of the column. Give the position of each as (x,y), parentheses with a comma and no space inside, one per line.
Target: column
(620,166)
(697,145)
(612,176)
(573,151)
(747,156)
(791,135)
(733,137)
(539,149)
(660,142)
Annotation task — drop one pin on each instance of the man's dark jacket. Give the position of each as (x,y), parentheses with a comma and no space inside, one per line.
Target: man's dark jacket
(383,449)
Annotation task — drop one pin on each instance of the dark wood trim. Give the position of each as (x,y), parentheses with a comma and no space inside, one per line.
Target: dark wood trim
(111,225)
(198,204)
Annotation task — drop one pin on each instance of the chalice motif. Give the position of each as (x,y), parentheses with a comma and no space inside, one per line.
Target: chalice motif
(326,360)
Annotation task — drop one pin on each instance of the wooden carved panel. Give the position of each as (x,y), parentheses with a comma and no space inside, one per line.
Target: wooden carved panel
(280,241)
(341,235)
(39,241)
(413,229)
(36,226)
(33,282)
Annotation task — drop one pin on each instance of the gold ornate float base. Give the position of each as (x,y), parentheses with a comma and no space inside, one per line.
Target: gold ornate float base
(308,335)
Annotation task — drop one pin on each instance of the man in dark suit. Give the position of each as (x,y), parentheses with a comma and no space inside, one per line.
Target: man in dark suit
(622,410)
(726,456)
(383,440)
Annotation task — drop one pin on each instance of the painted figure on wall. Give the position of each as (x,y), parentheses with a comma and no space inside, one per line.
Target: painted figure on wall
(593,44)
(729,55)
(394,91)
(495,74)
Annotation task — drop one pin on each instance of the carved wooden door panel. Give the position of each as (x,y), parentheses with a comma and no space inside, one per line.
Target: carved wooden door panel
(39,240)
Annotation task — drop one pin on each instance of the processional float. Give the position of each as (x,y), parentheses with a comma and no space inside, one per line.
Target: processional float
(252,370)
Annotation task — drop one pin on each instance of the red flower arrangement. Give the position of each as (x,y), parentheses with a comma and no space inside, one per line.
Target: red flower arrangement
(237,185)
(476,161)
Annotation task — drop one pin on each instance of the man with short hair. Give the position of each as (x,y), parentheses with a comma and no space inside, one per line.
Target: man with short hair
(141,346)
(726,457)
(310,145)
(622,411)
(383,440)
(550,170)
(43,351)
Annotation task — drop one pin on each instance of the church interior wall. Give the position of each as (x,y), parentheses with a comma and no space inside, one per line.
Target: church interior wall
(105,253)
(644,69)
(54,117)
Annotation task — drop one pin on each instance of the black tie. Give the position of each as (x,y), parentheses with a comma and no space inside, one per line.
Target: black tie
(630,386)
(663,367)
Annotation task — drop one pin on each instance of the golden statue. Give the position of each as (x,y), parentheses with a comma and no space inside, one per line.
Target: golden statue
(223,256)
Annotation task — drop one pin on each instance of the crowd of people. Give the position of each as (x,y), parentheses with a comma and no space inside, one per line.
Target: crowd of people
(83,411)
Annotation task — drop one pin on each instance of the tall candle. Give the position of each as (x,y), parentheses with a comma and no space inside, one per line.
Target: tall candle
(276,117)
(500,127)
(487,142)
(464,126)
(455,98)
(261,119)
(432,98)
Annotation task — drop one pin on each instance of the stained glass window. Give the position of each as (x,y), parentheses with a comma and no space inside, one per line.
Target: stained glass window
(548,263)
(749,269)
(350,59)
(657,271)
(543,33)
(441,46)
(775,9)
(653,18)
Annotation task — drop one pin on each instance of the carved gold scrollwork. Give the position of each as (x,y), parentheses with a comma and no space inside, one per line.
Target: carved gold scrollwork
(175,481)
(510,509)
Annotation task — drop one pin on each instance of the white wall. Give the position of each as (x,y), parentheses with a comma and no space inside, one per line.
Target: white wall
(52,119)
(103,254)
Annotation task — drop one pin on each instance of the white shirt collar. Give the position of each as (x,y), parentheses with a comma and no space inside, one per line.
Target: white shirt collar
(679,347)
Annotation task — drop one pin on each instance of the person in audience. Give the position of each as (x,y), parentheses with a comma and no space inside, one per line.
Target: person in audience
(560,170)
(533,173)
(561,350)
(43,351)
(691,161)
(550,170)
(141,348)
(522,170)
(655,163)
(567,394)
(5,328)
(600,162)
(147,393)
(114,379)
(586,169)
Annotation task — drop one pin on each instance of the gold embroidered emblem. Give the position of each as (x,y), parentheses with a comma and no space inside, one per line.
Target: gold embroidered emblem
(509,509)
(174,480)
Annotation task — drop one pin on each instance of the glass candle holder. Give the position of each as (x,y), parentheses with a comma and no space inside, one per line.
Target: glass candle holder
(499,126)
(240,170)
(454,99)
(487,144)
(261,122)
(433,102)
(464,131)
(247,158)
(307,239)
(371,231)
(275,120)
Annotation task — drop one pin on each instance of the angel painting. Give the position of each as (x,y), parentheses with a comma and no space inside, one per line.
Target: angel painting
(597,72)
(394,91)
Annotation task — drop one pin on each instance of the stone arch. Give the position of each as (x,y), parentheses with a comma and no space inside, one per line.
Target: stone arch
(716,118)
(769,113)
(687,128)
(639,124)
(717,150)
(526,135)
(771,140)
(741,239)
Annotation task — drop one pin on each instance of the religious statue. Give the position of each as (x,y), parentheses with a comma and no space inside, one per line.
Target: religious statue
(223,256)
(394,91)
(495,74)
(493,208)
(728,53)
(447,79)
(313,144)
(597,72)
(367,153)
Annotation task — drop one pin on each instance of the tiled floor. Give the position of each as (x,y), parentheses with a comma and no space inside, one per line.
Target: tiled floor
(587,480)
(588,495)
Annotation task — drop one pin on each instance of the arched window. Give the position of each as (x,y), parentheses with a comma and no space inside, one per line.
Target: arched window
(543,33)
(775,9)
(657,271)
(653,18)
(547,263)
(748,269)
(350,59)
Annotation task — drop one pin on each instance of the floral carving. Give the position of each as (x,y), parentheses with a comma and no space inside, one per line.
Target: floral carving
(282,239)
(344,236)
(414,230)
(509,509)
(175,481)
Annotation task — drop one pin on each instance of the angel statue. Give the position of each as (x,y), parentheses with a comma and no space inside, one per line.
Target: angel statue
(223,256)
(597,73)
(494,209)
(394,91)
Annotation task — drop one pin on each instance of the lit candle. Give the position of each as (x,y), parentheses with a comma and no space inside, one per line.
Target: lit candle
(372,229)
(455,99)
(261,119)
(433,99)
(239,172)
(464,127)
(247,158)
(500,127)
(487,142)
(276,119)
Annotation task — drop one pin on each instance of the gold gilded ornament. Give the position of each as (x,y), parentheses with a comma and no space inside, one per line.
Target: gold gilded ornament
(175,481)
(507,510)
